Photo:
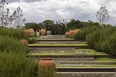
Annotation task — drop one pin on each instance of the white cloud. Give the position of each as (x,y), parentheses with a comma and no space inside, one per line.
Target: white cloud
(55,10)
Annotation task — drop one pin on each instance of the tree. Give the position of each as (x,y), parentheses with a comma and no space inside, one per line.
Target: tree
(17,17)
(4,15)
(102,15)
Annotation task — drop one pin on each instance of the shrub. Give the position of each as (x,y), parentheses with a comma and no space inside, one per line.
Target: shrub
(32,40)
(15,33)
(16,65)
(35,35)
(9,43)
(85,31)
(109,45)
(72,35)
(97,37)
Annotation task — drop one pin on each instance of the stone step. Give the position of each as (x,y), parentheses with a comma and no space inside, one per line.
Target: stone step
(51,48)
(55,50)
(85,74)
(80,63)
(72,59)
(58,42)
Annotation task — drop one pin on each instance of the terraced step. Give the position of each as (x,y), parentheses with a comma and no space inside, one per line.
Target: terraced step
(80,63)
(57,42)
(86,74)
(55,50)
(73,59)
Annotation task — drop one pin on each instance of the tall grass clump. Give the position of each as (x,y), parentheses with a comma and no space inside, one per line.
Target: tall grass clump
(15,33)
(86,31)
(17,65)
(9,43)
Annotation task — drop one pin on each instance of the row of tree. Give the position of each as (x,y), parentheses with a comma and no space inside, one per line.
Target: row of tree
(59,27)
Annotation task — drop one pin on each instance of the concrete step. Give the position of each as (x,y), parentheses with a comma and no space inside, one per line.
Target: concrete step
(80,63)
(85,74)
(58,42)
(72,59)
(55,50)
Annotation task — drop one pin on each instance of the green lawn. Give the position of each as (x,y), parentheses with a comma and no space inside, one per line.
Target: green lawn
(57,44)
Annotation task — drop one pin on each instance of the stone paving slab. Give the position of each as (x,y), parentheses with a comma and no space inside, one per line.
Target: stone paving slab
(86,74)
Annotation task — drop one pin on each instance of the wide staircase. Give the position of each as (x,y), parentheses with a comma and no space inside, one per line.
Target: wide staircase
(72,65)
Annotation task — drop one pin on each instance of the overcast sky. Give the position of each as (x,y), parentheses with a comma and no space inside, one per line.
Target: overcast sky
(83,10)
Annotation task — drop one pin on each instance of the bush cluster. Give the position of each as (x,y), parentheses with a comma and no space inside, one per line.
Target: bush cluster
(86,31)
(32,40)
(9,43)
(16,65)
(102,39)
(15,33)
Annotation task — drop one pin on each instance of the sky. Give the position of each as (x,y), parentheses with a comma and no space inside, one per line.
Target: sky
(55,10)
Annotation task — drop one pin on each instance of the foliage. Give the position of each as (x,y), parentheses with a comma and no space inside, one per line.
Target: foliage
(86,31)
(34,26)
(17,65)
(72,35)
(7,20)
(15,33)
(103,40)
(31,40)
(102,15)
(109,45)
(17,17)
(10,44)
(35,34)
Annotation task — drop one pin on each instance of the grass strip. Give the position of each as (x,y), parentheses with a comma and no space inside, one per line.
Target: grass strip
(104,59)
(57,44)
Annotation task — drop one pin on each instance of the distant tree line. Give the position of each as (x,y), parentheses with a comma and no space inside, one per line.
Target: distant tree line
(58,27)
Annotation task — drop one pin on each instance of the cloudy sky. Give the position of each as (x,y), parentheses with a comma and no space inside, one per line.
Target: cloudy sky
(83,10)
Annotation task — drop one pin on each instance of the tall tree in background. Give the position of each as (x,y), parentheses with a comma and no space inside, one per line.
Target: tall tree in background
(102,15)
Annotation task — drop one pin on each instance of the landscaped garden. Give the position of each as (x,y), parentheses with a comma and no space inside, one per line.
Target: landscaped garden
(13,53)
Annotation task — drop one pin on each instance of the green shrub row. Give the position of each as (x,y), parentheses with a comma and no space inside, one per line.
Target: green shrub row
(15,33)
(17,65)
(102,39)
(86,31)
(9,43)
